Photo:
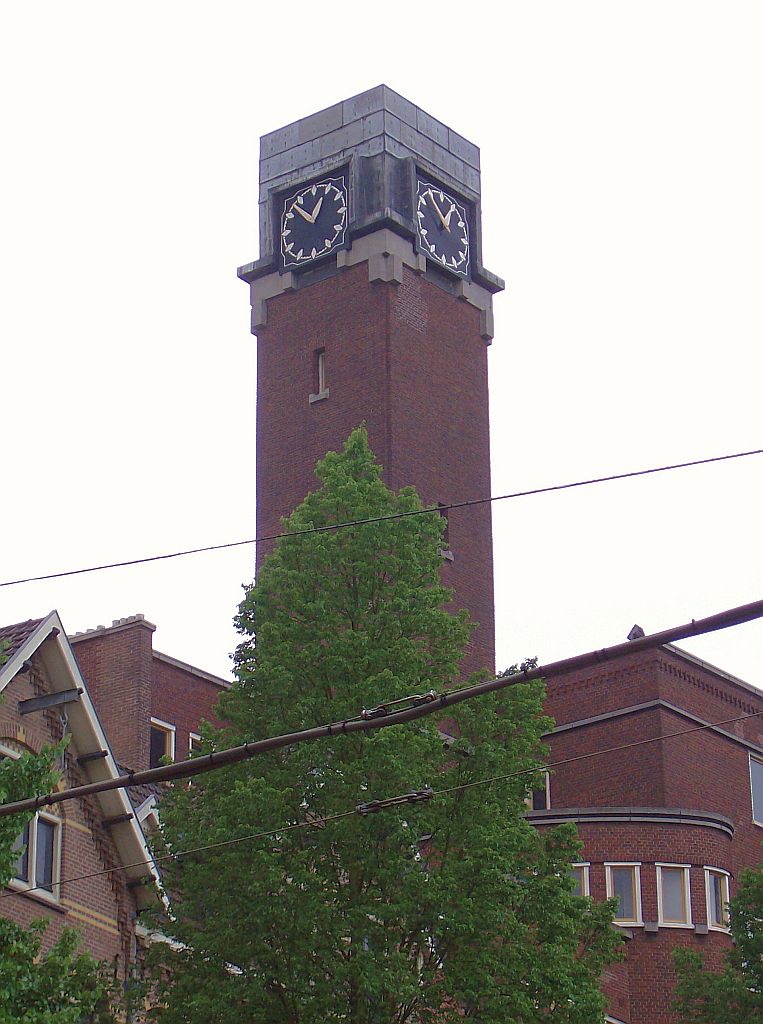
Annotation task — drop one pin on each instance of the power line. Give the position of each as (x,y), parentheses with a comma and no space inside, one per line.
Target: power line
(370,807)
(421,705)
(379,519)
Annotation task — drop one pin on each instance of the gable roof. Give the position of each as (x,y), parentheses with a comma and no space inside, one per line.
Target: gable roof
(47,638)
(13,637)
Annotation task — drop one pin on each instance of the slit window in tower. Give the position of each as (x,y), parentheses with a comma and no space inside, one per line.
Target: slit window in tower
(446,551)
(320,388)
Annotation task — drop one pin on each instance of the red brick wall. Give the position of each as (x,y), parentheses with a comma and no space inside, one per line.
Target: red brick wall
(182,699)
(702,771)
(409,361)
(641,991)
(101,908)
(116,664)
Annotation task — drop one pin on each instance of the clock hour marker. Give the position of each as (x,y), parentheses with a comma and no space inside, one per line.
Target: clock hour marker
(313,254)
(337,227)
(314,189)
(327,242)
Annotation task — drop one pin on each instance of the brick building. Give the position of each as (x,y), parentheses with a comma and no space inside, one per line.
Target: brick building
(44,697)
(124,706)
(371,303)
(382,313)
(151,705)
(666,825)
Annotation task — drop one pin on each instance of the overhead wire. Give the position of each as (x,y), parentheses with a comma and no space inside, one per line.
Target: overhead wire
(416,796)
(422,705)
(332,527)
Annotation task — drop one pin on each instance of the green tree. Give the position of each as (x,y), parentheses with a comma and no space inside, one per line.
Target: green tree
(733,995)
(451,907)
(58,986)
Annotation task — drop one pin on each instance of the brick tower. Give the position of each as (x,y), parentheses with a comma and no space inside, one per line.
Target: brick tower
(370,303)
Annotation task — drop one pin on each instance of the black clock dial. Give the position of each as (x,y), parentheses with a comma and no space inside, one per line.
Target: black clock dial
(313,222)
(442,228)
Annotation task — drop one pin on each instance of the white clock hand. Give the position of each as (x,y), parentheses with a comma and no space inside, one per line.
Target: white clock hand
(303,213)
(316,211)
(437,211)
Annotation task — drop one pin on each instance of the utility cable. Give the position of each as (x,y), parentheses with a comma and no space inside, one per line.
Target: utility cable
(379,519)
(373,806)
(422,705)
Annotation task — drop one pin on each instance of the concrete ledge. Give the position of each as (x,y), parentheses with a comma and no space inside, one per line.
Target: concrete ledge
(386,253)
(627,815)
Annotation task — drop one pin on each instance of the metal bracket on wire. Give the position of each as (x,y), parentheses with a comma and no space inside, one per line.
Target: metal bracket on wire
(414,797)
(384,709)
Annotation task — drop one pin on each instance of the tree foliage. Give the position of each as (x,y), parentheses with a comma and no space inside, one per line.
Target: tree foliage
(450,908)
(733,995)
(38,986)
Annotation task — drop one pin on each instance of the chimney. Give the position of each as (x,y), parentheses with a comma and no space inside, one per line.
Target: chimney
(116,662)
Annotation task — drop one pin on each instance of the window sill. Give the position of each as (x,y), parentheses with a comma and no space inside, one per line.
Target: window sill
(40,896)
(718,928)
(319,397)
(628,924)
(689,925)
(447,554)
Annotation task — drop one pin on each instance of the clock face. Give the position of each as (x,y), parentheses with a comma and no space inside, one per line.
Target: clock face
(313,222)
(442,228)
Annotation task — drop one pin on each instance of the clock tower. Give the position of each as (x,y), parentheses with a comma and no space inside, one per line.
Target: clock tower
(370,303)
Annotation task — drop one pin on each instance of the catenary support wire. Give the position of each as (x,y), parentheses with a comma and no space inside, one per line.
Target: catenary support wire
(234,755)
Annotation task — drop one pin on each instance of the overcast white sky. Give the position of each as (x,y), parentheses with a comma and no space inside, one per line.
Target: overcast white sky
(622,161)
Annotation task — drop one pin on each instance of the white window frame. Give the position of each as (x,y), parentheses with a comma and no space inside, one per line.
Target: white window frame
(612,1020)
(168,728)
(684,868)
(638,921)
(755,821)
(30,884)
(709,870)
(193,737)
(529,797)
(586,876)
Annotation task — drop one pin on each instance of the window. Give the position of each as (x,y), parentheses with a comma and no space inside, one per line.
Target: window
(756,787)
(579,874)
(717,893)
(39,847)
(162,742)
(624,883)
(673,896)
(320,388)
(194,742)
(445,550)
(39,850)
(540,799)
